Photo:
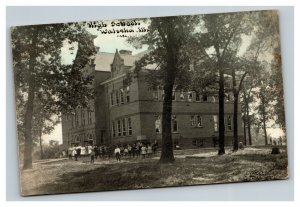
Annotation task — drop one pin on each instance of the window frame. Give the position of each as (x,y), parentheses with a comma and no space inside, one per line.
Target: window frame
(119,130)
(113,129)
(216,123)
(112,98)
(192,120)
(117,97)
(158,118)
(229,123)
(173,95)
(129,126)
(127,94)
(190,96)
(176,121)
(199,120)
(197,97)
(122,100)
(124,127)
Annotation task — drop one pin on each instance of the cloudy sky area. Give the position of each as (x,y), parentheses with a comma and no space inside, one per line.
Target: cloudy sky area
(111,42)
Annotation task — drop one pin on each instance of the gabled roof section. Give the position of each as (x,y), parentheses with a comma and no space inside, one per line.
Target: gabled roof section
(103,60)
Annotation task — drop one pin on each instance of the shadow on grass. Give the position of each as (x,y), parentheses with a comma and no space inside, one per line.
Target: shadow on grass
(150,174)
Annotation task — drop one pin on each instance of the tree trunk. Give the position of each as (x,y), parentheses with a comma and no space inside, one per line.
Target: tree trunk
(245,131)
(265,132)
(221,113)
(41,145)
(27,163)
(248,125)
(235,113)
(167,155)
(235,123)
(264,119)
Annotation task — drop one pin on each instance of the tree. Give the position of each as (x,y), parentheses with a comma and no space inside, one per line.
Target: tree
(277,86)
(167,38)
(264,42)
(38,70)
(266,98)
(236,92)
(247,98)
(221,39)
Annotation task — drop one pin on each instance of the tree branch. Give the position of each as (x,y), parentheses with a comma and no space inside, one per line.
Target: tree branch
(240,85)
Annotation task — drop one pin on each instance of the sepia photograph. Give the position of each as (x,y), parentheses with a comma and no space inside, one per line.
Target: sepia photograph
(149,102)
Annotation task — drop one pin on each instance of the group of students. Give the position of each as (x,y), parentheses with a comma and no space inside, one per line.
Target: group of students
(135,150)
(78,151)
(121,150)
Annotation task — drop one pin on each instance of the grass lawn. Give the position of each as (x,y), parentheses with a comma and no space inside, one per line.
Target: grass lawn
(191,168)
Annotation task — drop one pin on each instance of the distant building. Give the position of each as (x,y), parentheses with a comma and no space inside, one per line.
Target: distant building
(126,114)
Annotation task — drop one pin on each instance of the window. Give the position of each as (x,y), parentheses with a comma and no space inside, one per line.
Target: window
(174,124)
(76,139)
(199,121)
(196,121)
(204,98)
(82,117)
(112,98)
(155,95)
(76,119)
(227,97)
(124,127)
(161,91)
(197,96)
(127,94)
(113,129)
(181,96)
(229,123)
(89,117)
(192,121)
(119,128)
(190,96)
(173,96)
(158,125)
(215,117)
(117,97)
(129,126)
(73,121)
(122,95)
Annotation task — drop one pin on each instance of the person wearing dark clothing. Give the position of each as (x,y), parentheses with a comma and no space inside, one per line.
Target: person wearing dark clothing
(133,150)
(78,151)
(129,147)
(93,155)
(96,149)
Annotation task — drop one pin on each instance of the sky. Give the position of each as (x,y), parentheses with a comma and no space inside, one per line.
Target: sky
(110,42)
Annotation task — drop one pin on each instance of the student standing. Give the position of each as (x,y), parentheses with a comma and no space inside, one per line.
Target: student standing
(118,153)
(143,151)
(149,150)
(92,155)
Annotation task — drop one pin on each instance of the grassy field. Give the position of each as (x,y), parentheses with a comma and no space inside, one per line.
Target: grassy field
(192,167)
